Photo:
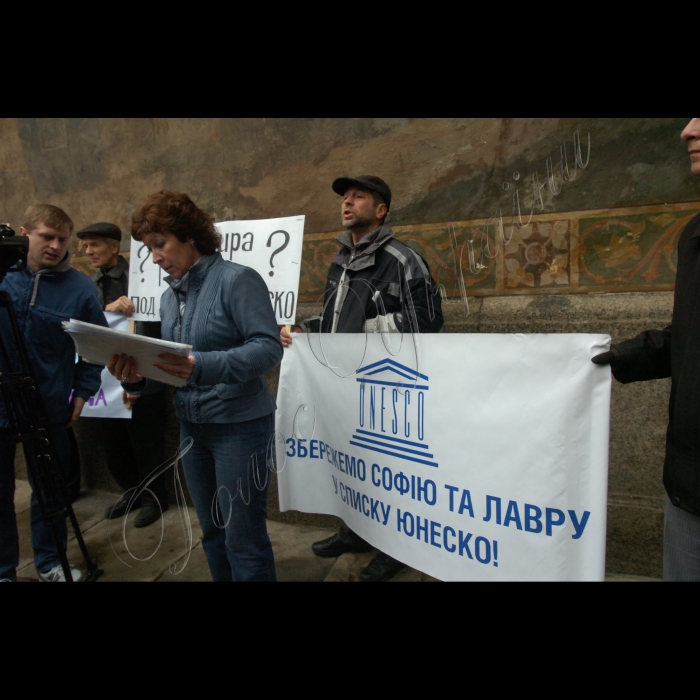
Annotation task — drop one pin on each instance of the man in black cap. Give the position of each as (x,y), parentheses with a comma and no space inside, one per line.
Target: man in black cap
(370,266)
(134,447)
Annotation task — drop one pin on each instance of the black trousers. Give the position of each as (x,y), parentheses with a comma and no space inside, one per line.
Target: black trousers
(349,536)
(134,447)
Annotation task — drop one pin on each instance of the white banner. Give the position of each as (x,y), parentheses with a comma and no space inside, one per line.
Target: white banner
(471,457)
(270,246)
(107,402)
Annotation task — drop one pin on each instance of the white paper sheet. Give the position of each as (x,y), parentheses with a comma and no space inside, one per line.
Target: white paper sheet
(107,401)
(97,344)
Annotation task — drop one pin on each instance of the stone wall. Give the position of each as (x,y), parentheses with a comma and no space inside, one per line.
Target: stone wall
(598,253)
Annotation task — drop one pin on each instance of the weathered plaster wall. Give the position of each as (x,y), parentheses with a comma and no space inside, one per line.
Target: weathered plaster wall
(439,169)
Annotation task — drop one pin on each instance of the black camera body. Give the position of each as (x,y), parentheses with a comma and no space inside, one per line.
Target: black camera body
(13,250)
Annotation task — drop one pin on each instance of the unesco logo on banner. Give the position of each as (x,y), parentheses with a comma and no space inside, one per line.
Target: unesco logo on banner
(392,412)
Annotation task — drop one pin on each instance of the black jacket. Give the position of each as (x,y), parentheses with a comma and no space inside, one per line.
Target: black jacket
(379,277)
(115,281)
(675,352)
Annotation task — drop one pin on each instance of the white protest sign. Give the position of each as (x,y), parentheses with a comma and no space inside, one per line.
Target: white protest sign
(272,247)
(471,457)
(107,402)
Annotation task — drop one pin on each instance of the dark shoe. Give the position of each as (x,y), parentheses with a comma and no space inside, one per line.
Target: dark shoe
(119,508)
(334,546)
(381,568)
(149,514)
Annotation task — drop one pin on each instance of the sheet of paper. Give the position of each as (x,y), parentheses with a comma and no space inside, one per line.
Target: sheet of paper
(107,400)
(97,344)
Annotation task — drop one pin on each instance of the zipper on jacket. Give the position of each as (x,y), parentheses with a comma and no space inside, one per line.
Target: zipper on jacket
(181,313)
(340,297)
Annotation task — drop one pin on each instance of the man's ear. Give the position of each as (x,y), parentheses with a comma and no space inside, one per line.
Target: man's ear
(381,211)
(23,231)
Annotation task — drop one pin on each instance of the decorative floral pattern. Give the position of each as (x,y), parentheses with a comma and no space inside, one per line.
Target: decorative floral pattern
(636,251)
(632,248)
(537,255)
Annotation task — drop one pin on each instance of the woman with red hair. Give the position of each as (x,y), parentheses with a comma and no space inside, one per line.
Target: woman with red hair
(223,310)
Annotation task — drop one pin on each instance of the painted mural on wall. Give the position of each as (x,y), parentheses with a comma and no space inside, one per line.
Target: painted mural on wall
(607,250)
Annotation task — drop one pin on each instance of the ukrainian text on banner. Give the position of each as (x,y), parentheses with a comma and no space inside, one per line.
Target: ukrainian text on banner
(469,457)
(107,402)
(270,246)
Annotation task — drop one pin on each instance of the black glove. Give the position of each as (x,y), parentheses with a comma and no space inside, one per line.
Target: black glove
(611,357)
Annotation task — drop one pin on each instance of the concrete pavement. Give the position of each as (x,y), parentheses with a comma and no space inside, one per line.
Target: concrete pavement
(159,552)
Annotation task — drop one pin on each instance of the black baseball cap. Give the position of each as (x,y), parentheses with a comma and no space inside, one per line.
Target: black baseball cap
(101,229)
(366,182)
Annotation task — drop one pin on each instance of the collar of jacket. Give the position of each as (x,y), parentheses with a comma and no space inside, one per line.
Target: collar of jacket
(63,266)
(362,254)
(116,272)
(194,274)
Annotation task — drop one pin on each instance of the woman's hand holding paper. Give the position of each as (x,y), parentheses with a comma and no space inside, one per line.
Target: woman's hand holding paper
(176,366)
(124,369)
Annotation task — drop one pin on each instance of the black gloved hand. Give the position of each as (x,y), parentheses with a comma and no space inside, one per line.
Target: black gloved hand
(607,358)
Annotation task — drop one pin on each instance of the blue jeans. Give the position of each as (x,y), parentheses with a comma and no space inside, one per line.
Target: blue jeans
(230,495)
(43,542)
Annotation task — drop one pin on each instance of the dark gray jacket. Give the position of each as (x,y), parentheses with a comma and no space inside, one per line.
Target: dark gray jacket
(378,277)
(229,321)
(118,282)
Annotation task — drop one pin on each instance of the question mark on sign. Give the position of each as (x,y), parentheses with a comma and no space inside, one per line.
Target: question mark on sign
(277,250)
(148,254)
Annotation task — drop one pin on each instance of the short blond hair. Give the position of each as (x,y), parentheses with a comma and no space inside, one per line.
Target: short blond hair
(47,214)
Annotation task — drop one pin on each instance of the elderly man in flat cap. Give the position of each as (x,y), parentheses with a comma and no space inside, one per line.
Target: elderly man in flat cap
(134,447)
(101,243)
(379,266)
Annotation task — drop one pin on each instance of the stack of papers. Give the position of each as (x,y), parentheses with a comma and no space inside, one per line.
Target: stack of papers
(98,344)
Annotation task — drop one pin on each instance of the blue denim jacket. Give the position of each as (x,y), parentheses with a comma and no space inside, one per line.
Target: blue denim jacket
(42,300)
(229,321)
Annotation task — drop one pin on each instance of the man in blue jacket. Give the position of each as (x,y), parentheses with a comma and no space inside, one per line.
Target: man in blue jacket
(45,293)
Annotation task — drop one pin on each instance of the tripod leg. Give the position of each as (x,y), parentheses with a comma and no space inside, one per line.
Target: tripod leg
(49,535)
(60,437)
(59,508)
(9,536)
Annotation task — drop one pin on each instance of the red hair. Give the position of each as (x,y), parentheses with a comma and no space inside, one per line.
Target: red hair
(176,213)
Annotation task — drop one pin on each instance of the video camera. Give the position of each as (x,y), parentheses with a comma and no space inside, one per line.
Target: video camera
(13,250)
